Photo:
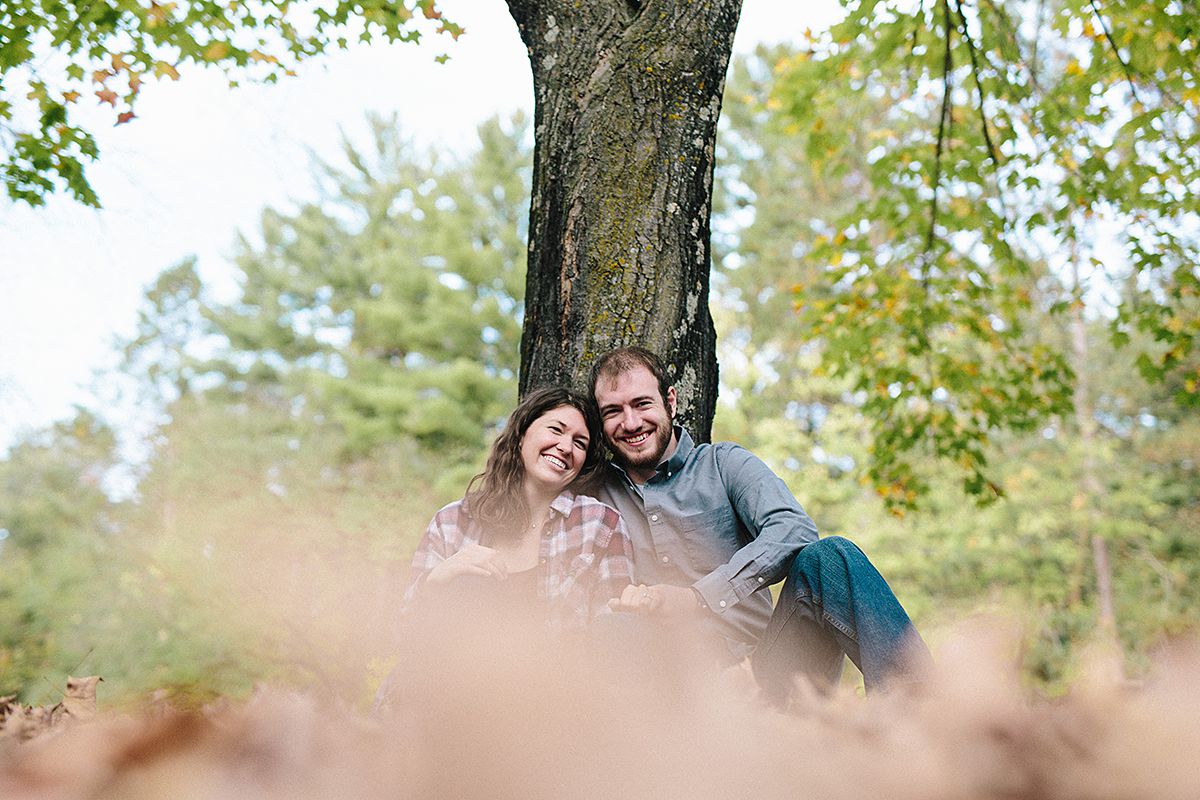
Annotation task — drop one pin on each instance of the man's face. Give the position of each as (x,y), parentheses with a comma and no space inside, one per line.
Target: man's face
(636,422)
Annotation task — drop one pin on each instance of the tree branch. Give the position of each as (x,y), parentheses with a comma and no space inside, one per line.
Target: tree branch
(983,121)
(1116,51)
(944,123)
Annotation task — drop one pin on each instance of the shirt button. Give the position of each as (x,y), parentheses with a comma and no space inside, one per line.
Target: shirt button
(543,561)
(654,517)
(723,604)
(760,580)
(666,559)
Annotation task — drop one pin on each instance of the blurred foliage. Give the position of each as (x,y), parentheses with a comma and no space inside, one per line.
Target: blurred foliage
(997,137)
(312,423)
(53,55)
(393,303)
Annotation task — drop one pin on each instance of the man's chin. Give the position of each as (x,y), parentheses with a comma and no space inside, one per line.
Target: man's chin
(641,460)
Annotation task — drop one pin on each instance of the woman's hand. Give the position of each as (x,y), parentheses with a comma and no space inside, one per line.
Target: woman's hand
(472,559)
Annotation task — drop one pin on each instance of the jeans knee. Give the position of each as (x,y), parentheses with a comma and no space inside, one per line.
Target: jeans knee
(825,553)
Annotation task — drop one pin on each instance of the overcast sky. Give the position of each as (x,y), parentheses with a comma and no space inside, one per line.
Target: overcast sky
(201,161)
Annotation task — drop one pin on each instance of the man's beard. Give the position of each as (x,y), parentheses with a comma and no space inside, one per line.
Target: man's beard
(646,458)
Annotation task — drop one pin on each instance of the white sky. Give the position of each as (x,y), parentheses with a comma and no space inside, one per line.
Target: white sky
(201,161)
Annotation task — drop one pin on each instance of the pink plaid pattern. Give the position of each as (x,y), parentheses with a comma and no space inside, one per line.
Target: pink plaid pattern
(584,555)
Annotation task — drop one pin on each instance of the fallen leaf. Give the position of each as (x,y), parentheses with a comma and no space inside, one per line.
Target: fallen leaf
(80,700)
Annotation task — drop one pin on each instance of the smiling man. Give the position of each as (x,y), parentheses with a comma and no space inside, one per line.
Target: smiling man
(713,527)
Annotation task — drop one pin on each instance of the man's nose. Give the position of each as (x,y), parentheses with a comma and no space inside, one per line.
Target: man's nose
(629,419)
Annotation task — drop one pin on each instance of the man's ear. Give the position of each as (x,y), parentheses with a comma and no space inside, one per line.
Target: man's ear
(671,401)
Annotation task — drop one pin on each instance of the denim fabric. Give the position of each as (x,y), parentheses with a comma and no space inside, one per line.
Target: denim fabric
(834,601)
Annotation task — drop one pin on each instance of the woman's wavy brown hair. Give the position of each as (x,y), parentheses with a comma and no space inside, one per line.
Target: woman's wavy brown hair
(494,498)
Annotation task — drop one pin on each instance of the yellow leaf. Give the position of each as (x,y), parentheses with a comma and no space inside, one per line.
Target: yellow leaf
(1073,68)
(216,51)
(162,68)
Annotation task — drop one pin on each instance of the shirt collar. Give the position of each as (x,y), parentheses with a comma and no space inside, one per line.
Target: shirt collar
(563,503)
(683,448)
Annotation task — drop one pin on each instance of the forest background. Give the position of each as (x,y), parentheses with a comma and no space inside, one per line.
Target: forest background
(309,426)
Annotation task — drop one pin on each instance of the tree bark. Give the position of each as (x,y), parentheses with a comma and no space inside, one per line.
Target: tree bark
(627,96)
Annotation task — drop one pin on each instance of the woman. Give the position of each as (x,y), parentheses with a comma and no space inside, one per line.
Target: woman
(521,535)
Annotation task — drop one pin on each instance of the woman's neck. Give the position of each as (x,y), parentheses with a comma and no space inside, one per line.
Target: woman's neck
(538,503)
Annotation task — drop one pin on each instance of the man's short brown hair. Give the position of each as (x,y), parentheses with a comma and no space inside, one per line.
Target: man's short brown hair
(622,360)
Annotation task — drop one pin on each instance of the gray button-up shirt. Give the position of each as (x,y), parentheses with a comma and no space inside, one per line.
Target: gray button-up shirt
(717,518)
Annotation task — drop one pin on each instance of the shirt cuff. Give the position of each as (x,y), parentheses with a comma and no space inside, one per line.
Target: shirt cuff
(716,592)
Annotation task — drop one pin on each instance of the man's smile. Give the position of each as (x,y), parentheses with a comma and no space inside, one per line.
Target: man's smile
(637,438)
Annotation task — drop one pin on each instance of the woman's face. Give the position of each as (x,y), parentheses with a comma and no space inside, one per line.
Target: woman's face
(553,450)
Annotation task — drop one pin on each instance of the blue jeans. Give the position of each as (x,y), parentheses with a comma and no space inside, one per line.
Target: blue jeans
(835,602)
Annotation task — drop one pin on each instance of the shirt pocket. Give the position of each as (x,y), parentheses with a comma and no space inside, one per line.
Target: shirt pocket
(580,565)
(710,537)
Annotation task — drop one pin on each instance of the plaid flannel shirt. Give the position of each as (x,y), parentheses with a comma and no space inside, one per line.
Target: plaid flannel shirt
(584,556)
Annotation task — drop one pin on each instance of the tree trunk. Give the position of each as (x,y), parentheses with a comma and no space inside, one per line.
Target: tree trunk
(1090,490)
(627,96)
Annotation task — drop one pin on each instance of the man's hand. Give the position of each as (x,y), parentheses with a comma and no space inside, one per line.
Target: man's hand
(659,600)
(473,559)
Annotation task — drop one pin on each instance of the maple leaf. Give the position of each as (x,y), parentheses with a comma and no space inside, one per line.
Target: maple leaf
(107,96)
(124,117)
(429,9)
(163,68)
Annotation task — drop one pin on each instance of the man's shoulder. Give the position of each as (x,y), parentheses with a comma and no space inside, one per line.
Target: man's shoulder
(723,451)
(737,464)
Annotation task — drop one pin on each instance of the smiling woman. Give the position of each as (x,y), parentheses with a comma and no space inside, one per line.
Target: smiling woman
(522,536)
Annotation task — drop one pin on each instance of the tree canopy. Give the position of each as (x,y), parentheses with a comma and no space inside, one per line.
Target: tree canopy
(55,55)
(1025,155)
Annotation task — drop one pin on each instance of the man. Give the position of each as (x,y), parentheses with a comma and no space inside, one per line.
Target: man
(713,527)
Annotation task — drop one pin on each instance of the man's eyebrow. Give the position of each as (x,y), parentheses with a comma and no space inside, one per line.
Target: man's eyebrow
(631,401)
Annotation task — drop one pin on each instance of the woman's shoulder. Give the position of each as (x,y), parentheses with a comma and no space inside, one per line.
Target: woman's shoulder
(588,508)
(451,512)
